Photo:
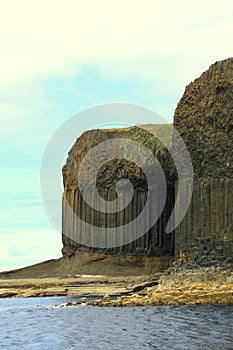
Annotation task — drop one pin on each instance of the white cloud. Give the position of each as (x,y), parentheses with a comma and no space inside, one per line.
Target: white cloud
(124,37)
(163,43)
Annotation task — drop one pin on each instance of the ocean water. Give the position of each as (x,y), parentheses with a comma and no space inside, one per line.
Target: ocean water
(34,323)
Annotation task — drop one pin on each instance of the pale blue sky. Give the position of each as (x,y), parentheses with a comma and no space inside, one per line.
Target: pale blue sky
(60,57)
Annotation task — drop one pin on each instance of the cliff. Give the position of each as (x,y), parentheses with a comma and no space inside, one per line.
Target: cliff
(117,169)
(204,119)
(154,242)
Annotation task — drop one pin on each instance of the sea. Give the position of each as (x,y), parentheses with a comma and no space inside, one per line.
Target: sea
(43,323)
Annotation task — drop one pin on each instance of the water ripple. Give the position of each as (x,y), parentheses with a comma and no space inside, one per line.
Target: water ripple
(33,324)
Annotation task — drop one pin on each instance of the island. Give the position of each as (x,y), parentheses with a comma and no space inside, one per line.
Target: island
(192,264)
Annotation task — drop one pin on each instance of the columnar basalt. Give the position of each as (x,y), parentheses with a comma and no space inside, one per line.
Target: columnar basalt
(152,243)
(204,119)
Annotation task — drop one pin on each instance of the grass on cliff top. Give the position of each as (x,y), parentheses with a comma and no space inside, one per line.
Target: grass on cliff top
(162,131)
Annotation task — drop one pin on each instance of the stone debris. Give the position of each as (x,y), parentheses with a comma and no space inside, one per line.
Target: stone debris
(203,286)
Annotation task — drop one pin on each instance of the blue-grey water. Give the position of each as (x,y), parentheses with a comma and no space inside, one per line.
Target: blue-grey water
(33,324)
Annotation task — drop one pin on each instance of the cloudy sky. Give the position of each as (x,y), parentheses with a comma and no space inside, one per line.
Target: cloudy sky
(61,57)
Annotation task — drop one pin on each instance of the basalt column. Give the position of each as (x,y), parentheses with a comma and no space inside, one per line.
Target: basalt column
(204,119)
(154,242)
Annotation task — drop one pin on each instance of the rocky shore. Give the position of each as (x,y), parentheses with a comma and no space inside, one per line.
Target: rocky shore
(212,285)
(77,286)
(179,285)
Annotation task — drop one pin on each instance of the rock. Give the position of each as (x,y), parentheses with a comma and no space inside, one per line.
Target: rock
(155,242)
(204,238)
(204,119)
(8,293)
(106,297)
(83,300)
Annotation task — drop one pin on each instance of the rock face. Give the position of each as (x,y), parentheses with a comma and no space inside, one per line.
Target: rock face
(204,119)
(154,242)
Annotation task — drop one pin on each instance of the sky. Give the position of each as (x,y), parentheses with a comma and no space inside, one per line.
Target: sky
(58,58)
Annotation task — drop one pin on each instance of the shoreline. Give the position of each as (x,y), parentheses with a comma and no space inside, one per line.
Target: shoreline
(80,285)
(206,285)
(182,286)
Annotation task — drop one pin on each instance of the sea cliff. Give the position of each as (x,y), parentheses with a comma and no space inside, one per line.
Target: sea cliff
(192,264)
